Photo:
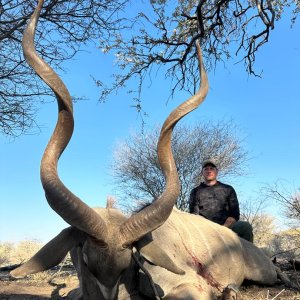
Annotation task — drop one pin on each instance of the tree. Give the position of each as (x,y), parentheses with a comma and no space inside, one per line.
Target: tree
(262,223)
(162,35)
(263,230)
(144,36)
(290,201)
(137,173)
(287,242)
(64,27)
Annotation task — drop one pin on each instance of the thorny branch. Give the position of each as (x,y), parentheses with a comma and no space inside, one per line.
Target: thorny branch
(290,201)
(163,39)
(64,27)
(154,36)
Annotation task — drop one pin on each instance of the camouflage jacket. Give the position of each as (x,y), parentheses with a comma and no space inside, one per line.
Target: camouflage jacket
(216,202)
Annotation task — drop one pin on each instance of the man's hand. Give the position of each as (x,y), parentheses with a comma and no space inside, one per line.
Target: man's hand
(229,221)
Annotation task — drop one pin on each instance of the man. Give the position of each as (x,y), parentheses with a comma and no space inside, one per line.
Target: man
(218,202)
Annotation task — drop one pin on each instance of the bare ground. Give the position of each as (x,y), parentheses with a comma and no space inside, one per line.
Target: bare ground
(35,288)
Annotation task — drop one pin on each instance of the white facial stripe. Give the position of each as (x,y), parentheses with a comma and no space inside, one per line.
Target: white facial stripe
(108,293)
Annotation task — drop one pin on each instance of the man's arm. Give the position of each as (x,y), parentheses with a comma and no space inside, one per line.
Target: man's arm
(193,205)
(234,210)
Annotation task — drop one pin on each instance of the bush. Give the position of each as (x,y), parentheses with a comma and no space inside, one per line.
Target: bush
(5,252)
(11,253)
(286,244)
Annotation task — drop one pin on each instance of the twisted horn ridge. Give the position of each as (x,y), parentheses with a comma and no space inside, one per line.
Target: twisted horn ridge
(61,200)
(157,213)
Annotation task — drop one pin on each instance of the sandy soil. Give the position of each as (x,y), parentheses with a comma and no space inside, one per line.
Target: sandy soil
(36,289)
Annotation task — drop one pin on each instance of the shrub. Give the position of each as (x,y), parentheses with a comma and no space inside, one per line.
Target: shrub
(11,253)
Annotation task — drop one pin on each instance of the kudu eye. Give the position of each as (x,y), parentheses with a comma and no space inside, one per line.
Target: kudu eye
(126,247)
(100,243)
(85,258)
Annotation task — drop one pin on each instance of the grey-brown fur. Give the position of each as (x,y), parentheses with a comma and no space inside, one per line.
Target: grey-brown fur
(212,256)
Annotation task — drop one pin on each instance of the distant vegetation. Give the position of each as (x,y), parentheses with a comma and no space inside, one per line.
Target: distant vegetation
(16,253)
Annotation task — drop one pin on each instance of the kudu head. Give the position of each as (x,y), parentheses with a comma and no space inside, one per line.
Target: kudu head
(101,240)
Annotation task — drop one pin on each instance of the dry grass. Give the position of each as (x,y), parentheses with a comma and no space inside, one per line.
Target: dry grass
(52,284)
(16,253)
(259,293)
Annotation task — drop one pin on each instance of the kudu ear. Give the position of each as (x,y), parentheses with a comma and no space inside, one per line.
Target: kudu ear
(157,256)
(51,254)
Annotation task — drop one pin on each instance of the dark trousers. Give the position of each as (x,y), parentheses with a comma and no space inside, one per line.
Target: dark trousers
(243,229)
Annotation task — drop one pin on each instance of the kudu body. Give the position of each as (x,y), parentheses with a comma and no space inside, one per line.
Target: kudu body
(187,256)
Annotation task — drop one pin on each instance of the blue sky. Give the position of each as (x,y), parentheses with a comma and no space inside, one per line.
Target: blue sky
(266,110)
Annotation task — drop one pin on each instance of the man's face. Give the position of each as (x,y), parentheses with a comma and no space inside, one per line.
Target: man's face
(210,173)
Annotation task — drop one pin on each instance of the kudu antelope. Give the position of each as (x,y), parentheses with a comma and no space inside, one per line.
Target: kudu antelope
(187,256)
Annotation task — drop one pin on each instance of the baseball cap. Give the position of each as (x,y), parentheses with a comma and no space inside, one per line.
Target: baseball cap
(209,161)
